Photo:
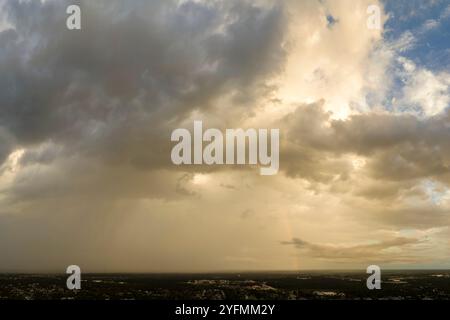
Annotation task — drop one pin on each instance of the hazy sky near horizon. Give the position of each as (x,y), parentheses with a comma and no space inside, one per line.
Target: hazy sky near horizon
(86,116)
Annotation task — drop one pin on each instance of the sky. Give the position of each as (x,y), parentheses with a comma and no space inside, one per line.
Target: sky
(86,118)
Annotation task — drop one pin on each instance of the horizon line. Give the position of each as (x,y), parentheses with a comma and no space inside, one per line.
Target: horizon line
(216,272)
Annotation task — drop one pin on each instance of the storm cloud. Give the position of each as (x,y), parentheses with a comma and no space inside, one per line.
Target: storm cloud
(86,117)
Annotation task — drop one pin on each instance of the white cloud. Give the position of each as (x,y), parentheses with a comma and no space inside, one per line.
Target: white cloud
(426,91)
(430,25)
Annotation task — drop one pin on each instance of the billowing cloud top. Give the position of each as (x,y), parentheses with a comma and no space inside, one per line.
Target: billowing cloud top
(86,117)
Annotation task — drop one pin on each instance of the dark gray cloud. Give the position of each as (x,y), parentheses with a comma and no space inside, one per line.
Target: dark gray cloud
(397,147)
(93,111)
(7,143)
(120,82)
(402,155)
